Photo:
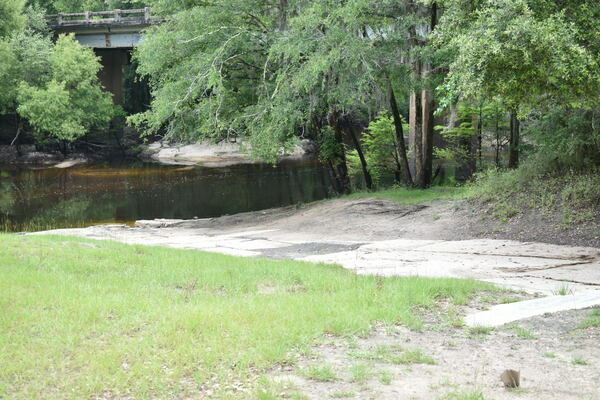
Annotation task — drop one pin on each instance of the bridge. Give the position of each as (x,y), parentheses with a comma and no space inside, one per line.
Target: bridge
(112,35)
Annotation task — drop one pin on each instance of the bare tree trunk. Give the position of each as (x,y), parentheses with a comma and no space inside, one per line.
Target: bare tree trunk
(363,160)
(428,107)
(19,130)
(497,155)
(401,145)
(480,137)
(416,125)
(513,147)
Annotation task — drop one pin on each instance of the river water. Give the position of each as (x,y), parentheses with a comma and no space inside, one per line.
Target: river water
(36,199)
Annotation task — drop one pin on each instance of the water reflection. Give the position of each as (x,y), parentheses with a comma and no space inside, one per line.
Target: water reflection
(40,199)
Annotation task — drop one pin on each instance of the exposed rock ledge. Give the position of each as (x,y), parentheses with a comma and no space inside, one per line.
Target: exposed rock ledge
(28,155)
(213,155)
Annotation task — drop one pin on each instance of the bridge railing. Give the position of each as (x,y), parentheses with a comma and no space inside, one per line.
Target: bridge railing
(140,16)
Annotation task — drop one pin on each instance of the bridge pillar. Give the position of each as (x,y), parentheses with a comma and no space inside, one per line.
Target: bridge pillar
(111,75)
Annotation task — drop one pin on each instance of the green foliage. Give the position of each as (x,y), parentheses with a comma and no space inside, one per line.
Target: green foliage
(72,101)
(542,185)
(329,147)
(381,148)
(592,321)
(72,6)
(518,52)
(11,17)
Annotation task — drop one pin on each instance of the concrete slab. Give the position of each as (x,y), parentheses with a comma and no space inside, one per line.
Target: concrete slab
(506,313)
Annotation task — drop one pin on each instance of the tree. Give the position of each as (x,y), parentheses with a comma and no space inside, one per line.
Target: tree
(71,102)
(522,52)
(11,17)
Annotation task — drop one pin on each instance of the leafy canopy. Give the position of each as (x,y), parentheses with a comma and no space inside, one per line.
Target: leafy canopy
(71,102)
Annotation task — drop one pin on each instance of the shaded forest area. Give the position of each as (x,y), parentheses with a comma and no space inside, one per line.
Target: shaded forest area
(385,88)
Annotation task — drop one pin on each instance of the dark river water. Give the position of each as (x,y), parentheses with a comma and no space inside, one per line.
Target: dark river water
(82,196)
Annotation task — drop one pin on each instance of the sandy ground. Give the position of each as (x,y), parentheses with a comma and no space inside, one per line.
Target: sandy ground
(556,360)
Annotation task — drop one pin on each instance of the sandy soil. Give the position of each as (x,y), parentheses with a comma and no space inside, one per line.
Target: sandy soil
(556,360)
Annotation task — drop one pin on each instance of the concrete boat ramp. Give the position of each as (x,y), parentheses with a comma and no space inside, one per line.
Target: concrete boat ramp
(569,277)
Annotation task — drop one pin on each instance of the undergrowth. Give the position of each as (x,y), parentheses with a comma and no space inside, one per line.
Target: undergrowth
(573,195)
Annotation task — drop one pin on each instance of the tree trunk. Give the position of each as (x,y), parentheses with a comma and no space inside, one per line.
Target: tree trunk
(513,146)
(480,137)
(401,145)
(416,126)
(497,155)
(18,134)
(428,107)
(363,161)
(339,160)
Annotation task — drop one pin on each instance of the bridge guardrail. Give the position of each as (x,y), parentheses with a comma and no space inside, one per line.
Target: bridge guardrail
(135,16)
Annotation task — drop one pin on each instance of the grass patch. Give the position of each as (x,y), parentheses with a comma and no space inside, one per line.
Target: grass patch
(537,185)
(463,396)
(360,372)
(578,360)
(563,290)
(394,355)
(413,357)
(480,330)
(406,196)
(550,354)
(524,333)
(342,395)
(592,321)
(81,318)
(385,377)
(322,373)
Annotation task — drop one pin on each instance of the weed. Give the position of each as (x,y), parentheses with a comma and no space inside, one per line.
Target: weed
(524,333)
(360,373)
(463,396)
(549,354)
(480,330)
(507,300)
(412,357)
(323,373)
(592,321)
(578,360)
(563,290)
(385,377)
(342,395)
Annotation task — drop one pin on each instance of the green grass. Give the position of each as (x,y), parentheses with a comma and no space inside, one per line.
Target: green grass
(524,333)
(463,396)
(413,196)
(360,372)
(85,319)
(578,360)
(480,330)
(385,378)
(537,185)
(592,321)
(320,373)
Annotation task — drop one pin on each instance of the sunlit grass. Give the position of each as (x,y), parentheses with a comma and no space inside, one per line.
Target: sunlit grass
(86,319)
(413,196)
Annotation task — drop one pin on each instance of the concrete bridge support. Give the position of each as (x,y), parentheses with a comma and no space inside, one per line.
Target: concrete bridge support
(113,61)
